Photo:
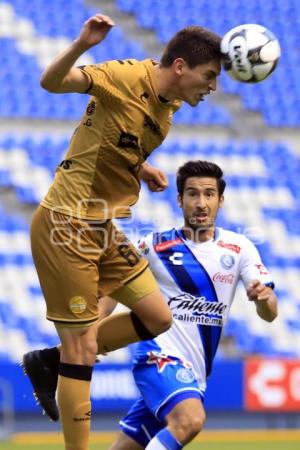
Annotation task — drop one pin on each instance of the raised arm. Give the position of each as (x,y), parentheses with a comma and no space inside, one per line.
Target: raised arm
(60,76)
(264,298)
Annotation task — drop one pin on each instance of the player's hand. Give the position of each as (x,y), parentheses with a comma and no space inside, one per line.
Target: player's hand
(256,291)
(95,29)
(155,179)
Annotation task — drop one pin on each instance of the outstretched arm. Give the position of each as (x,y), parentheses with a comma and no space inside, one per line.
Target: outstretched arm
(264,298)
(60,76)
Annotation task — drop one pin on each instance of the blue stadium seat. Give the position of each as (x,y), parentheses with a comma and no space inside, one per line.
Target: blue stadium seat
(52,22)
(282,17)
(45,152)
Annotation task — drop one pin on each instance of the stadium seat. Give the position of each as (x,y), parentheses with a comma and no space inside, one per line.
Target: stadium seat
(260,202)
(279,109)
(44,29)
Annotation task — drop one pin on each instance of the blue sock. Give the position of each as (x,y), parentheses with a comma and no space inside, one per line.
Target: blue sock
(164,440)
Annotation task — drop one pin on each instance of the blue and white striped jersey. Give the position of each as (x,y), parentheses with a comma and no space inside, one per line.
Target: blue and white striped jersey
(198,281)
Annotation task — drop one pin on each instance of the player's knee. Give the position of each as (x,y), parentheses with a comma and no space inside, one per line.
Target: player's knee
(84,354)
(162,322)
(149,329)
(187,426)
(79,349)
(196,424)
(90,350)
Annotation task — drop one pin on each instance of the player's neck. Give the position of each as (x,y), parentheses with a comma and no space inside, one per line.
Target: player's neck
(197,235)
(164,83)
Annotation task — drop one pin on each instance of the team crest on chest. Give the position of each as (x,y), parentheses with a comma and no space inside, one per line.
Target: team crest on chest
(227,261)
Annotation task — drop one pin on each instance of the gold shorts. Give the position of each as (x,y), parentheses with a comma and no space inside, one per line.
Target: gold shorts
(79,261)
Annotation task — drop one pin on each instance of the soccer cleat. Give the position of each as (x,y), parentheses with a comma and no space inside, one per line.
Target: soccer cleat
(44,381)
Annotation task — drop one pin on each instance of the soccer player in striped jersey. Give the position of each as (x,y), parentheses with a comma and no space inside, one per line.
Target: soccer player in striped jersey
(197,268)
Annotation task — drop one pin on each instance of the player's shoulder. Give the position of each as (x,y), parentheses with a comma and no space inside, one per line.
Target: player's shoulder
(130,65)
(155,238)
(165,233)
(117,66)
(232,240)
(144,243)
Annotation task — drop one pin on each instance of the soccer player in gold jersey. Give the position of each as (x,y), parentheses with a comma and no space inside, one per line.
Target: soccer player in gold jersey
(79,254)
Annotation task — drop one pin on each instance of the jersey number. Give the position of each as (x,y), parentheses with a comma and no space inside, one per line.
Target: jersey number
(131,258)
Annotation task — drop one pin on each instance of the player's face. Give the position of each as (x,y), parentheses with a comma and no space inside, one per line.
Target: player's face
(194,84)
(200,202)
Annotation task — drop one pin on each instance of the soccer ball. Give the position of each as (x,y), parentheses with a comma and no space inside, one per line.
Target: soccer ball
(250,52)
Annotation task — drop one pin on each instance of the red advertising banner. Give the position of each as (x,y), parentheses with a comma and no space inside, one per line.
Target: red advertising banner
(272,385)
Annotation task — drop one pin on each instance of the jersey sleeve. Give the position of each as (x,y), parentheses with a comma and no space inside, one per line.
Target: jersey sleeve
(252,267)
(145,247)
(105,82)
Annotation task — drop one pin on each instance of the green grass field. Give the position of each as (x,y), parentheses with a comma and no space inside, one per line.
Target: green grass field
(195,446)
(208,440)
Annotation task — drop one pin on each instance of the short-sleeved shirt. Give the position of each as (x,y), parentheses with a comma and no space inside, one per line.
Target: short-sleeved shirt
(125,120)
(198,281)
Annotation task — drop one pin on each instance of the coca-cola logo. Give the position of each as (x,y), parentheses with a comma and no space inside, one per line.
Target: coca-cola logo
(223,278)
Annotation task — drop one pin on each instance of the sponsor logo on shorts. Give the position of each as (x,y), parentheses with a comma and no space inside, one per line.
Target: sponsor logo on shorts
(77,304)
(185,375)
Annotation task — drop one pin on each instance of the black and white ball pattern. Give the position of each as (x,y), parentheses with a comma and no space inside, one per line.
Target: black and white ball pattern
(250,52)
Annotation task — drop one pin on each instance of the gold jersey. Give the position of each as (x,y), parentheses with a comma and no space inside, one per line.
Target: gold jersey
(125,120)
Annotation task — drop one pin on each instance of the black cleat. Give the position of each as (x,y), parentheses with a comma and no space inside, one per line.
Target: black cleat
(44,381)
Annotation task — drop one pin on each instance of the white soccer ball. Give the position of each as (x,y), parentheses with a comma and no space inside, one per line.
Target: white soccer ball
(250,52)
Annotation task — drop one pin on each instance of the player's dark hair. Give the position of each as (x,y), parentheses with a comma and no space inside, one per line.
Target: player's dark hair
(196,45)
(200,169)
